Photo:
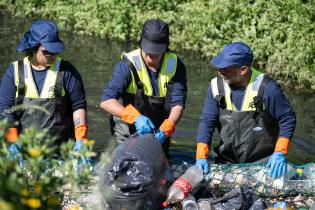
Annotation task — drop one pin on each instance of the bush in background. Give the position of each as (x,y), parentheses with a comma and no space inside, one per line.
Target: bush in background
(44,179)
(281,33)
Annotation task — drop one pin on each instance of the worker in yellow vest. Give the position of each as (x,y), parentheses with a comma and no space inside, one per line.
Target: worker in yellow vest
(44,79)
(148,90)
(254,118)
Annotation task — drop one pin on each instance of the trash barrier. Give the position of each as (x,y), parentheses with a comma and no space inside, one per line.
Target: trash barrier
(136,178)
(297,180)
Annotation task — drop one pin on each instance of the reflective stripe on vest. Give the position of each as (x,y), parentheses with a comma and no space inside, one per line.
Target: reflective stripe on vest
(168,70)
(250,92)
(30,87)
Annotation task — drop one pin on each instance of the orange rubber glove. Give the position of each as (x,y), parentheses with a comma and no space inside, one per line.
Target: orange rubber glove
(129,114)
(202,150)
(168,127)
(80,132)
(282,145)
(11,135)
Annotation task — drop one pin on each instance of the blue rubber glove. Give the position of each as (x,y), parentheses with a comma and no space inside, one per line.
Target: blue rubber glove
(203,165)
(277,164)
(160,135)
(78,146)
(144,125)
(14,154)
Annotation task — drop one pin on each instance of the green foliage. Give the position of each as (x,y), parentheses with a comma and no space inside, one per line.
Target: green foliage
(281,33)
(45,177)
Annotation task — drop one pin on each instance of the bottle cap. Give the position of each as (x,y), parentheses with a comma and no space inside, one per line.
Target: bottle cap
(165,204)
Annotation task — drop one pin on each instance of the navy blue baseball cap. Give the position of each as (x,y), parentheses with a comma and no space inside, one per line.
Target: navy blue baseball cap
(42,32)
(236,53)
(155,36)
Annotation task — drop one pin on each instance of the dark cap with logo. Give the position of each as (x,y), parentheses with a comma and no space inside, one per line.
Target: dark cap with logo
(236,53)
(42,32)
(155,36)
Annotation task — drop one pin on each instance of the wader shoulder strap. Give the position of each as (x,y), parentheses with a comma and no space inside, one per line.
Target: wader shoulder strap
(21,86)
(138,102)
(220,98)
(58,94)
(167,103)
(258,100)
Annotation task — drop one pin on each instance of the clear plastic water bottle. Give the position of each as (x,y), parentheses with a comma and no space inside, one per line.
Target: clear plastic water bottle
(204,205)
(189,203)
(180,189)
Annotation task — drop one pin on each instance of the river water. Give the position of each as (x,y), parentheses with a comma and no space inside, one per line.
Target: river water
(95,59)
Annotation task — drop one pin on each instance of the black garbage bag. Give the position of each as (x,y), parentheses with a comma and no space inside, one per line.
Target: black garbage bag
(136,176)
(239,199)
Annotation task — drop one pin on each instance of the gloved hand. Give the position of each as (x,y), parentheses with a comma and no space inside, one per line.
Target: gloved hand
(166,129)
(11,135)
(277,164)
(78,147)
(160,135)
(132,116)
(14,154)
(203,165)
(201,157)
(144,125)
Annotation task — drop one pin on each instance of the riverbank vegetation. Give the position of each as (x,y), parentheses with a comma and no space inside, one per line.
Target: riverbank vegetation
(281,33)
(41,179)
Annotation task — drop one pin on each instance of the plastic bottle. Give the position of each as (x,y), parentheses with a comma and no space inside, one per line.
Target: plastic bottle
(179,190)
(189,203)
(204,205)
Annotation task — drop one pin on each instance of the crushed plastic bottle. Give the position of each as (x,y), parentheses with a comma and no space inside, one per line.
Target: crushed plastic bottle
(204,204)
(189,203)
(180,189)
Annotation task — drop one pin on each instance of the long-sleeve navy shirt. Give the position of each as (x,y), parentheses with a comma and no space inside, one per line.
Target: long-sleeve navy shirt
(274,99)
(72,84)
(122,78)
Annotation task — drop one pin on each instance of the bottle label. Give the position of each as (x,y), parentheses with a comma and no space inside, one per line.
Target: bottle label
(183,185)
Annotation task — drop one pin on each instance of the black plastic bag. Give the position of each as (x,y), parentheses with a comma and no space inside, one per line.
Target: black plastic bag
(136,176)
(239,199)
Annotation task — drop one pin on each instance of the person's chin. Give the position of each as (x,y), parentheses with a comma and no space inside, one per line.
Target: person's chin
(48,64)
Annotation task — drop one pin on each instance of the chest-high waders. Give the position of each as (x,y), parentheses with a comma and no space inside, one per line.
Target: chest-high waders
(59,121)
(246,136)
(157,109)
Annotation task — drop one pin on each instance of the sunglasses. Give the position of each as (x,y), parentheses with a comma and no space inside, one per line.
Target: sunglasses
(47,53)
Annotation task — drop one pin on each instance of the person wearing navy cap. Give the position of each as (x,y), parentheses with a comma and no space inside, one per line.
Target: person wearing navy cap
(253,117)
(43,79)
(148,90)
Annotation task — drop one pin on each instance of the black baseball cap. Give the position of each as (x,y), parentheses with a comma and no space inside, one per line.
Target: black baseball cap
(155,36)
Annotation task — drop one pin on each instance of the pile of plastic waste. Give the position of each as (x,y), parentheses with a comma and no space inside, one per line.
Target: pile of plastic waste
(242,186)
(138,177)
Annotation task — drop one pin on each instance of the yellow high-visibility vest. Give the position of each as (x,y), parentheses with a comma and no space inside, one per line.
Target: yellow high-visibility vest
(250,92)
(30,87)
(168,70)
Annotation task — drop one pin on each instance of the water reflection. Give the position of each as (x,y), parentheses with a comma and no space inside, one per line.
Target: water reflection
(95,59)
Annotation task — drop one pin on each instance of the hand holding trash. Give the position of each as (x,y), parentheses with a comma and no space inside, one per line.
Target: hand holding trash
(201,157)
(132,116)
(277,162)
(81,147)
(166,129)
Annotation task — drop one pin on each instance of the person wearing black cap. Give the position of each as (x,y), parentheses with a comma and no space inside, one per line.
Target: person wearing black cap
(150,83)
(252,115)
(43,79)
